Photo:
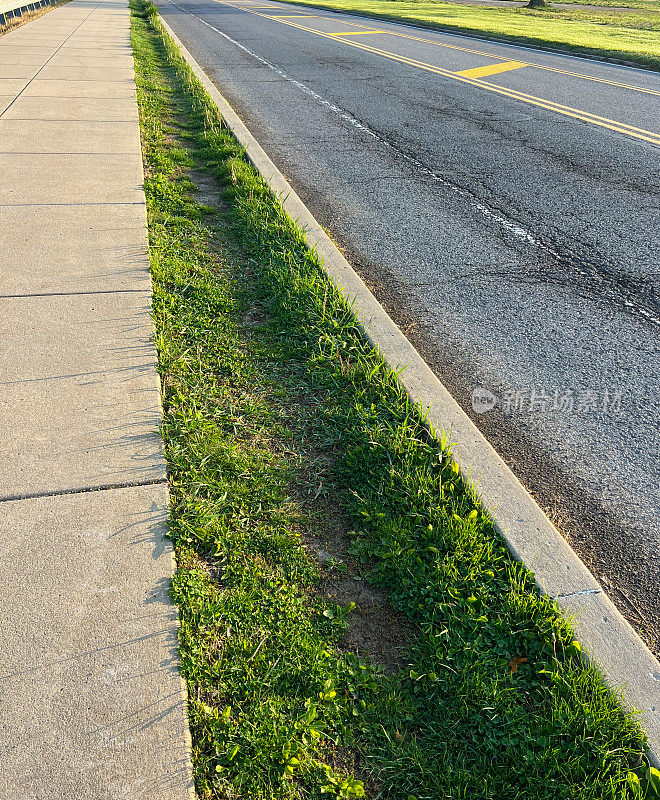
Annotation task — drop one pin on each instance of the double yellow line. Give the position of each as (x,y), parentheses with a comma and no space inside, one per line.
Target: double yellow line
(548,105)
(448,46)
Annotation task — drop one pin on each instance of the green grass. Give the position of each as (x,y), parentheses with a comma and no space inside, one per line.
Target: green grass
(630,36)
(304,483)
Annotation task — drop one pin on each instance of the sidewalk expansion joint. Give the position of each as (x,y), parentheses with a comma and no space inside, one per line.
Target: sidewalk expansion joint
(48,205)
(84,490)
(73,119)
(73,80)
(60,153)
(73,294)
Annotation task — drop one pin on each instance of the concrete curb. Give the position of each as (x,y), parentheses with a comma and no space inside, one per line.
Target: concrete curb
(605,635)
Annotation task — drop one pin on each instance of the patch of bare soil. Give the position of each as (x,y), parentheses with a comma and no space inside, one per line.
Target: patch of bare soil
(375,628)
(254,318)
(208,193)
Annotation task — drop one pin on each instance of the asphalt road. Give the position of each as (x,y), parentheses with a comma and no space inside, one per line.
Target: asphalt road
(502,202)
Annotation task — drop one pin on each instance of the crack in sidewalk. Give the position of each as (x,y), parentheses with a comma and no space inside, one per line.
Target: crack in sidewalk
(84,490)
(578,594)
(73,294)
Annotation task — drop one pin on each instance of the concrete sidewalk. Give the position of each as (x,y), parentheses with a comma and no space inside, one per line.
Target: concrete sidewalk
(91,703)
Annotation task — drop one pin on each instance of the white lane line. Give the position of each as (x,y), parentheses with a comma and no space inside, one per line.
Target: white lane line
(517,230)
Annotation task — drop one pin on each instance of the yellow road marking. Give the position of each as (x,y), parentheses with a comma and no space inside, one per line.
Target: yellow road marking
(580,75)
(284,16)
(585,116)
(354,33)
(529,64)
(491,69)
(621,127)
(490,55)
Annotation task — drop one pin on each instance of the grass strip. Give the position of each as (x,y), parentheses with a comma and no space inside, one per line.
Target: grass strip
(631,36)
(351,625)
